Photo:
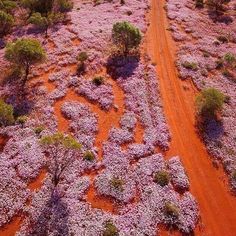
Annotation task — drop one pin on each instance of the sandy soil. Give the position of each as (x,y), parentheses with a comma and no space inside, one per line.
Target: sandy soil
(208,185)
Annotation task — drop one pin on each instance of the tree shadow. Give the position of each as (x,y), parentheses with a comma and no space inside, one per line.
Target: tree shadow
(122,66)
(53,218)
(213,129)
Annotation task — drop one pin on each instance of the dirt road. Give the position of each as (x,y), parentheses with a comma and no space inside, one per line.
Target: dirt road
(217,205)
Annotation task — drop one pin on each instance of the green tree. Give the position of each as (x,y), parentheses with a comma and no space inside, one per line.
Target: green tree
(25,53)
(110,229)
(209,102)
(62,152)
(7,5)
(216,5)
(6,23)
(45,22)
(162,178)
(126,36)
(6,114)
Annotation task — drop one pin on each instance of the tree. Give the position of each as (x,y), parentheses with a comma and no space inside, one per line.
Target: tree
(209,102)
(6,114)
(126,36)
(216,5)
(7,5)
(110,229)
(6,22)
(82,58)
(25,53)
(62,152)
(44,22)
(162,178)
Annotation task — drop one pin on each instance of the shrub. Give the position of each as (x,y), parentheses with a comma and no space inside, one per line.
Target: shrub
(110,229)
(162,178)
(216,5)
(82,57)
(39,129)
(199,3)
(6,114)
(88,156)
(117,183)
(64,5)
(230,59)
(7,5)
(6,22)
(21,120)
(43,7)
(209,102)
(171,210)
(223,39)
(190,65)
(126,36)
(25,53)
(99,80)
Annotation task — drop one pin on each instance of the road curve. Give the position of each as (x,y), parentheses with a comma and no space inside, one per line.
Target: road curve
(208,185)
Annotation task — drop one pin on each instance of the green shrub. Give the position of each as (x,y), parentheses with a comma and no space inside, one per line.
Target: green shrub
(25,53)
(190,65)
(21,120)
(223,39)
(6,23)
(230,59)
(7,5)
(88,156)
(110,229)
(82,57)
(199,3)
(125,36)
(162,178)
(39,129)
(117,183)
(6,114)
(99,80)
(65,5)
(209,102)
(171,210)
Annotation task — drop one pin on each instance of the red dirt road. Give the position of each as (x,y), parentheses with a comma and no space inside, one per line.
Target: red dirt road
(217,205)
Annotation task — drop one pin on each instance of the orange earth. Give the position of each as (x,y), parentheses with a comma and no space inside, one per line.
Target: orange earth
(208,185)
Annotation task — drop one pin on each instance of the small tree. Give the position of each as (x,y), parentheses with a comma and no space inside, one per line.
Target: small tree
(6,114)
(6,22)
(110,229)
(162,178)
(117,183)
(216,5)
(7,5)
(171,212)
(82,58)
(25,53)
(62,152)
(45,22)
(209,102)
(126,36)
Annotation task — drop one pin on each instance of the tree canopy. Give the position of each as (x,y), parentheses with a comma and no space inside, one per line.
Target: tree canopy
(6,22)
(25,53)
(126,36)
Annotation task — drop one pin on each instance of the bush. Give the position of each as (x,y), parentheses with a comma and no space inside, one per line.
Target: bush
(21,120)
(223,39)
(199,3)
(99,80)
(216,5)
(7,5)
(110,229)
(162,178)
(82,57)
(209,102)
(230,59)
(6,114)
(171,210)
(88,156)
(117,183)
(190,65)
(25,53)
(64,5)
(6,23)
(126,36)
(39,129)
(43,7)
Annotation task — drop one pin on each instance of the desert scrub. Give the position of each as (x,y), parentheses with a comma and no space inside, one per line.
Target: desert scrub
(230,59)
(209,102)
(98,80)
(21,120)
(110,229)
(171,213)
(89,156)
(117,183)
(162,178)
(6,114)
(81,58)
(6,23)
(190,65)
(39,129)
